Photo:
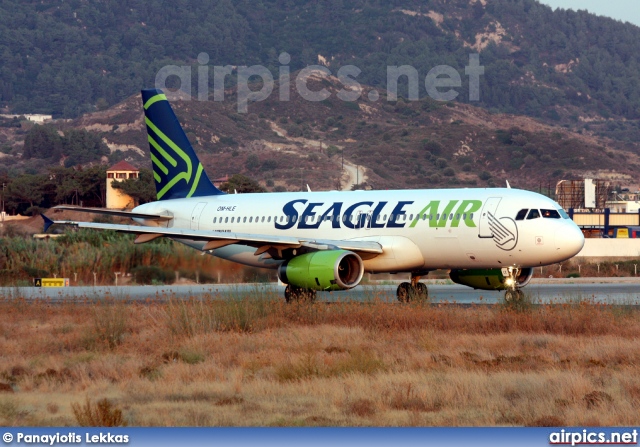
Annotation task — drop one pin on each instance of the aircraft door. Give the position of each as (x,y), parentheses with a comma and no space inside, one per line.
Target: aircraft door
(490,206)
(195,215)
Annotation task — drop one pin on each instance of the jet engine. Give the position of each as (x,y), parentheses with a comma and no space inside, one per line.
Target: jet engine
(490,279)
(323,270)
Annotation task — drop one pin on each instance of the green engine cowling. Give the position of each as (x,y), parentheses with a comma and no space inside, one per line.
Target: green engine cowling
(489,279)
(323,270)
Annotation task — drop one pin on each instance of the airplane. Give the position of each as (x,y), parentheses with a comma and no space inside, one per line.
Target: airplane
(488,238)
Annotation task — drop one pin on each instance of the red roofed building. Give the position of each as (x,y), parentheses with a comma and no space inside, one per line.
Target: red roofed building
(117,199)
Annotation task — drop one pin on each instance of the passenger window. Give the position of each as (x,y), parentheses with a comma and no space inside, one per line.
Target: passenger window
(533,214)
(550,214)
(226,219)
(233,219)
(521,214)
(251,219)
(262,219)
(411,217)
(244,220)
(451,216)
(464,216)
(457,216)
(214,219)
(269,219)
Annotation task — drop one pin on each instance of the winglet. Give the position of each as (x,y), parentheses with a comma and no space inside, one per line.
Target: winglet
(508,185)
(308,189)
(47,222)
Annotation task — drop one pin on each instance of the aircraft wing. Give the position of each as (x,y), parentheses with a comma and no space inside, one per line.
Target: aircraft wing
(217,239)
(119,213)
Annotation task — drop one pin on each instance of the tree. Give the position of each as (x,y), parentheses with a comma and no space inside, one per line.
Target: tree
(82,147)
(26,189)
(241,184)
(42,142)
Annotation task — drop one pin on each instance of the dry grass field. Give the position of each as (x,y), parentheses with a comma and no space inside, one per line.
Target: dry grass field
(259,362)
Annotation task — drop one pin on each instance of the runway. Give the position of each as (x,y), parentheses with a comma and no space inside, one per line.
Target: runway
(619,291)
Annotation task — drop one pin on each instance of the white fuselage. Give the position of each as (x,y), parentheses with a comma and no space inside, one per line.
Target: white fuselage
(418,230)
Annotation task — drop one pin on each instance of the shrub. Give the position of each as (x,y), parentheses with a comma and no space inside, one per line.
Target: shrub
(110,324)
(252,162)
(441,163)
(352,105)
(432,146)
(332,150)
(100,414)
(269,165)
(149,274)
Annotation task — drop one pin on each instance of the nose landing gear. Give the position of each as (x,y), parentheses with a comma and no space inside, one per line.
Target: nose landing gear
(513,294)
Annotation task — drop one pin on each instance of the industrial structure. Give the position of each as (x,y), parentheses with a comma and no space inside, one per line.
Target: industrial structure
(588,202)
(587,194)
(116,198)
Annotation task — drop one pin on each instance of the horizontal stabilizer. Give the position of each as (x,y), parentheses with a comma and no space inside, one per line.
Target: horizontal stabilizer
(47,222)
(119,213)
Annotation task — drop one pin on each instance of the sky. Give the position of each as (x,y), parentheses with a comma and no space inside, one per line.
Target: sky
(625,10)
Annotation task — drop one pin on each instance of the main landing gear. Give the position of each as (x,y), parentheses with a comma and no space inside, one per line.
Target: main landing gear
(299,294)
(412,291)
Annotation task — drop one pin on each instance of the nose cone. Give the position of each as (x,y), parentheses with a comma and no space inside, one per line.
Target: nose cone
(569,240)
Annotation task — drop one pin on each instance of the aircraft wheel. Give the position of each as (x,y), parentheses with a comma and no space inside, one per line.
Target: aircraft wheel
(513,296)
(294,293)
(421,291)
(404,292)
(519,295)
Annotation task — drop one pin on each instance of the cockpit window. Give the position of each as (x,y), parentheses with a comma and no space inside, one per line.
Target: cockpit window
(563,214)
(533,214)
(550,214)
(521,214)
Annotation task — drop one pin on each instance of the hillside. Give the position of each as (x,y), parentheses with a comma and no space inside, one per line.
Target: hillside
(559,96)
(402,144)
(70,57)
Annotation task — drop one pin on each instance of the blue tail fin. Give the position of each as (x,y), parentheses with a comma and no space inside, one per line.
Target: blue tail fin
(176,169)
